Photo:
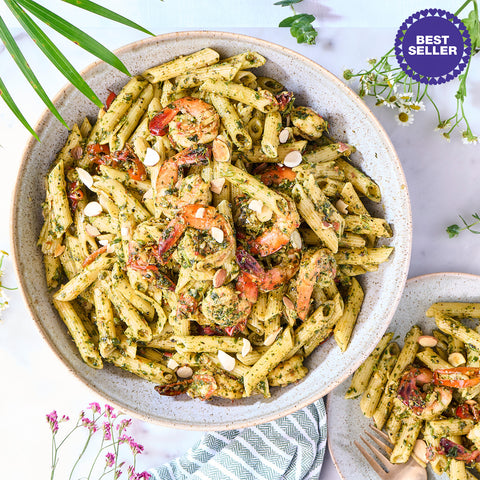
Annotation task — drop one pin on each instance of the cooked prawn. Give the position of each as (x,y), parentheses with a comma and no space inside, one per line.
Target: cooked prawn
(188,121)
(427,402)
(317,266)
(226,309)
(171,194)
(277,174)
(273,239)
(201,218)
(267,280)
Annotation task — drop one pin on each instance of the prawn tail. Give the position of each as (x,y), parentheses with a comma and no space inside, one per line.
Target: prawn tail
(158,125)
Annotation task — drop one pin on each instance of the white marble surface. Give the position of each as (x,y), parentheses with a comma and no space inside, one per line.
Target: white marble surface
(442,178)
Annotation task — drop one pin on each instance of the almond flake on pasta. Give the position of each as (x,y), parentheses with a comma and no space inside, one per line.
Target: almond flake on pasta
(217,184)
(293,159)
(92,209)
(172,364)
(92,230)
(85,177)
(284,135)
(151,157)
(247,347)
(184,372)
(227,361)
(272,337)
(296,240)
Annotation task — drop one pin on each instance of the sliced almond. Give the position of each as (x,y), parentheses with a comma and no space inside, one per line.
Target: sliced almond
(427,341)
(288,303)
(217,234)
(343,147)
(92,209)
(471,402)
(85,177)
(296,240)
(151,157)
(59,250)
(172,364)
(456,359)
(103,242)
(219,277)
(227,361)
(284,135)
(272,337)
(293,159)
(247,347)
(255,205)
(125,232)
(217,184)
(200,213)
(221,150)
(265,214)
(92,230)
(342,207)
(420,450)
(110,248)
(148,194)
(184,372)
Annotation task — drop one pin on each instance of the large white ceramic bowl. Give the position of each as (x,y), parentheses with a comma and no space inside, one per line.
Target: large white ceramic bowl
(350,121)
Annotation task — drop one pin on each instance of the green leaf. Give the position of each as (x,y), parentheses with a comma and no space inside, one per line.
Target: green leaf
(105,12)
(453,231)
(52,52)
(287,3)
(74,34)
(22,63)
(13,107)
(301,27)
(301,17)
(473,26)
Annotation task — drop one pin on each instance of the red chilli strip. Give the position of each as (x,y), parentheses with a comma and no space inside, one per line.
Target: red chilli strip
(459,377)
(94,255)
(111,97)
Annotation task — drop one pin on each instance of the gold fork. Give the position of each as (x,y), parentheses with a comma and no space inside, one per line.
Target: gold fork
(386,470)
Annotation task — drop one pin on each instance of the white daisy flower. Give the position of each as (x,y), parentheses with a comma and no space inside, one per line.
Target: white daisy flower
(417,106)
(404,117)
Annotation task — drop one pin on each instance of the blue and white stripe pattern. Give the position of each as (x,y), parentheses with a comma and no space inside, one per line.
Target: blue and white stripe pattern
(291,448)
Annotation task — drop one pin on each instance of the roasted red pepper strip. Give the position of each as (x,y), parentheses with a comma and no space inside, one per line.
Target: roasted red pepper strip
(96,148)
(463,412)
(93,256)
(459,377)
(111,97)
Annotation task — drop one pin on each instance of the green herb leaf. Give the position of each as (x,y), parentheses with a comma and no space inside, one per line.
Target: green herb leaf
(301,17)
(22,63)
(453,230)
(52,52)
(287,3)
(301,27)
(105,12)
(74,34)
(5,95)
(473,27)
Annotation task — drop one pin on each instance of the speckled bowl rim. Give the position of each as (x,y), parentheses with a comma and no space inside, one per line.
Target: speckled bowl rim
(418,278)
(16,248)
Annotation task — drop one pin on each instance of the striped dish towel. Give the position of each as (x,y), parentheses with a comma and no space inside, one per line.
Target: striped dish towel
(291,448)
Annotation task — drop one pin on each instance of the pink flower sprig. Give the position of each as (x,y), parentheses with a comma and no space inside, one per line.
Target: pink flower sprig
(110,430)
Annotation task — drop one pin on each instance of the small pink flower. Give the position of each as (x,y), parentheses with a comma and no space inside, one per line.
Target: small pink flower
(126,422)
(52,419)
(107,432)
(110,459)
(109,410)
(95,407)
(90,424)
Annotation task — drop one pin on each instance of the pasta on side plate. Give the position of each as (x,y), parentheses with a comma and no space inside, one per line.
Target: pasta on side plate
(426,395)
(205,232)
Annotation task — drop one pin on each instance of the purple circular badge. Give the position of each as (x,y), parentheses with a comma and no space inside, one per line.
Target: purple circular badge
(432,46)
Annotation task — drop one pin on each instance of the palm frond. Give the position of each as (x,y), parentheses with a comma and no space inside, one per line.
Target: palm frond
(105,12)
(23,65)
(74,34)
(52,52)
(7,98)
